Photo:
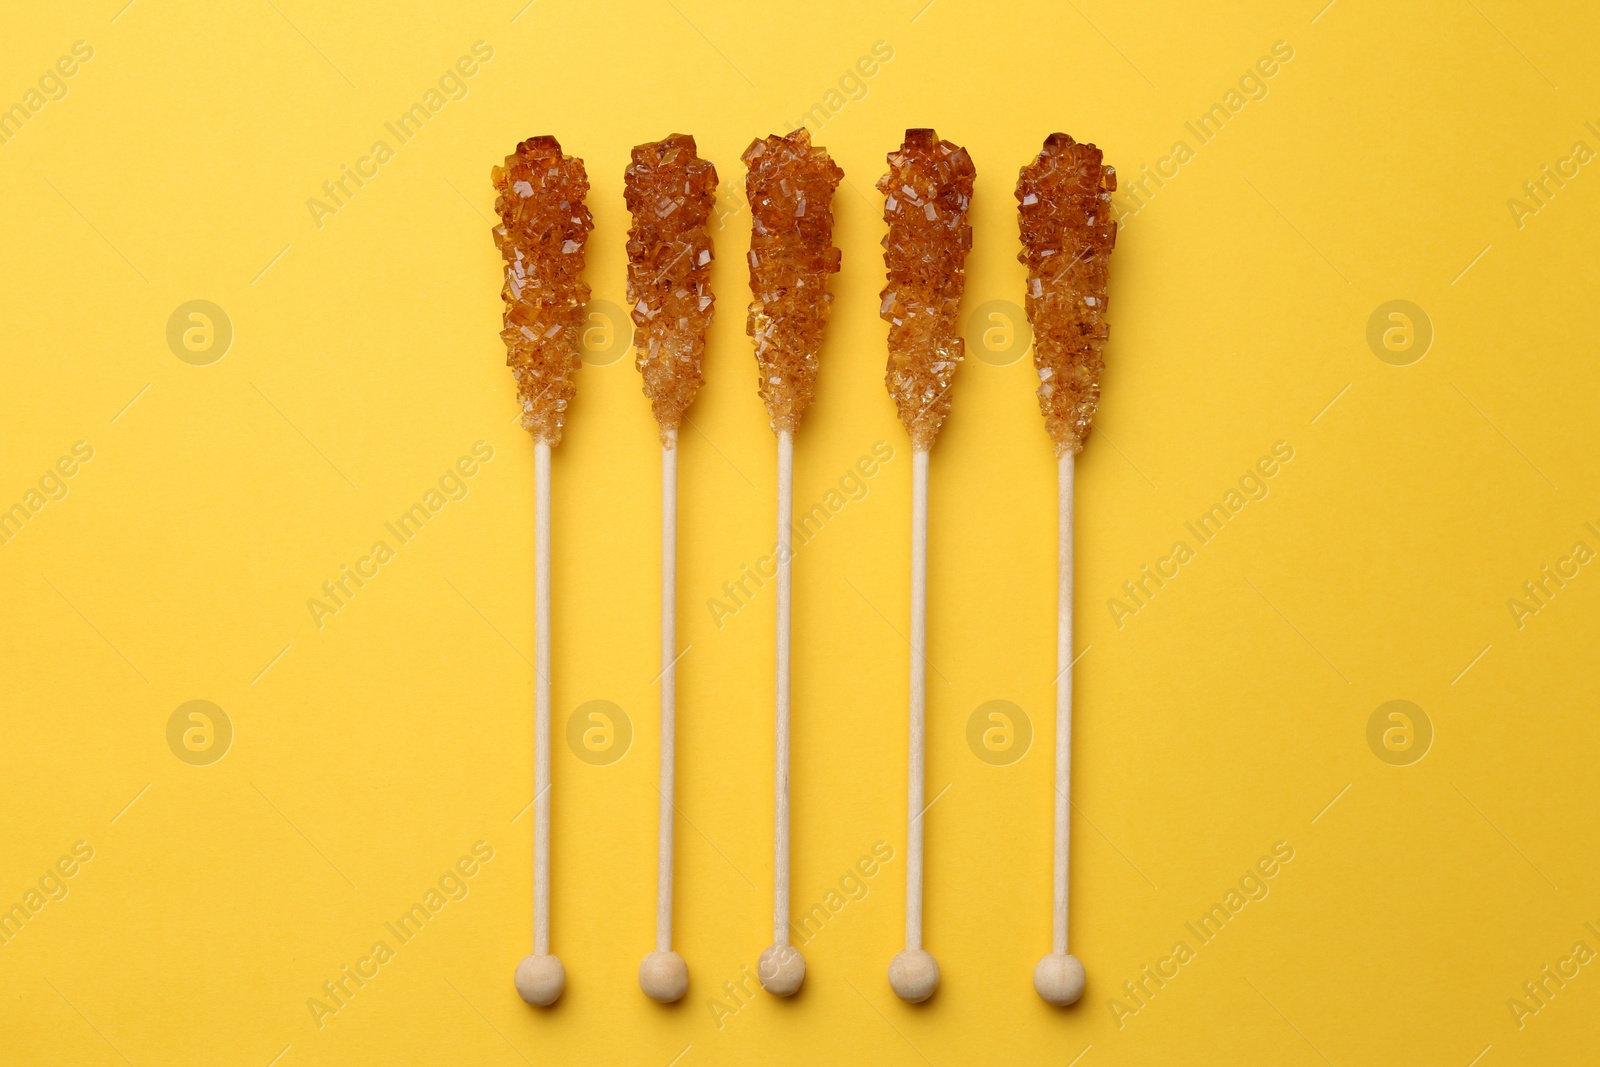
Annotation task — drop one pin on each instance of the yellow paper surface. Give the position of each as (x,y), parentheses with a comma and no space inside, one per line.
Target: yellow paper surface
(1287,173)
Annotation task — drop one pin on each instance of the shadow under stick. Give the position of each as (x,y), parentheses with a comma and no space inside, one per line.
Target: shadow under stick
(927,193)
(790,187)
(541,235)
(670,192)
(1064,199)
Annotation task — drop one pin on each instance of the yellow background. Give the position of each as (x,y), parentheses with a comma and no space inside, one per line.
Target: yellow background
(1228,714)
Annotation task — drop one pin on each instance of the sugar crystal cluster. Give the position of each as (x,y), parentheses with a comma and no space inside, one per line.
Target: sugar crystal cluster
(926,195)
(1067,235)
(543,227)
(790,186)
(670,192)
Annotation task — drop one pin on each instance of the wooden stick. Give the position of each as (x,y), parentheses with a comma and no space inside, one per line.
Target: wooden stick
(915,775)
(540,978)
(669,670)
(780,866)
(1063,696)
(664,976)
(541,705)
(1059,977)
(781,968)
(914,973)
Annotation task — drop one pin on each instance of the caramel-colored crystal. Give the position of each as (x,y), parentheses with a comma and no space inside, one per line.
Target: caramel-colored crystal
(1067,237)
(790,186)
(543,227)
(926,195)
(670,191)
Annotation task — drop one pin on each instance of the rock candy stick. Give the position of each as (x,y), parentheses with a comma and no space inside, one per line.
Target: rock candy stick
(1067,235)
(926,195)
(543,227)
(790,187)
(670,192)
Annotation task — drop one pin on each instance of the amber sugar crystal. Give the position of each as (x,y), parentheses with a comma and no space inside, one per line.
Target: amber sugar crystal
(670,192)
(790,186)
(1067,237)
(926,195)
(543,227)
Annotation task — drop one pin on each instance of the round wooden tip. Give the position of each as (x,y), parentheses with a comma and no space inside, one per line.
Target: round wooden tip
(1059,979)
(541,979)
(664,977)
(914,975)
(782,970)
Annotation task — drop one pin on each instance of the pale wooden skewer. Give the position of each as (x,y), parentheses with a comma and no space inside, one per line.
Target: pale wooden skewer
(541,977)
(914,973)
(1059,977)
(664,976)
(781,968)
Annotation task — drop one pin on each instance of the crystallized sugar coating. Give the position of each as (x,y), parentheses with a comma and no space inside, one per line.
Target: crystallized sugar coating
(790,186)
(670,192)
(926,195)
(1067,237)
(543,227)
